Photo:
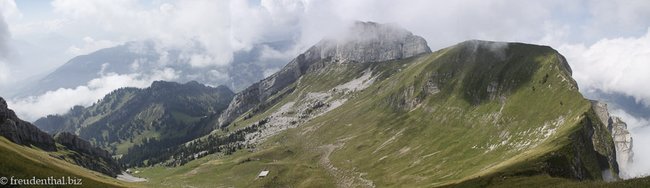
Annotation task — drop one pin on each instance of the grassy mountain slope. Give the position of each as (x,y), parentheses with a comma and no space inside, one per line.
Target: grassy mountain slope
(65,146)
(27,162)
(467,114)
(548,181)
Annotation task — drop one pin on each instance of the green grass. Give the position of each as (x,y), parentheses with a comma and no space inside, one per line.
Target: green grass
(446,129)
(180,116)
(123,146)
(26,162)
(548,181)
(126,94)
(287,166)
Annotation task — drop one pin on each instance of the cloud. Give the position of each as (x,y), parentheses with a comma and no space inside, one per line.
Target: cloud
(618,65)
(61,100)
(90,45)
(8,9)
(616,18)
(5,36)
(226,26)
(5,51)
(4,73)
(200,60)
(221,27)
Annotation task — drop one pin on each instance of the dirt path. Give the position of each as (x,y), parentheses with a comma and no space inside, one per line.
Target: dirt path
(344,178)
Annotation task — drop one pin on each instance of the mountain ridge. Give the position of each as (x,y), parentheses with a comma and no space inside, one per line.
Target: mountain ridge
(66,147)
(166,113)
(145,58)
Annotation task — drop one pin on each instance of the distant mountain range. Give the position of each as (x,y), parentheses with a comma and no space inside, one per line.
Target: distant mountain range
(146,57)
(161,116)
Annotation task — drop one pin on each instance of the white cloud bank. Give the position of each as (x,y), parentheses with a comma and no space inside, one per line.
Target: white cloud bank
(220,26)
(4,51)
(90,45)
(61,100)
(225,26)
(620,65)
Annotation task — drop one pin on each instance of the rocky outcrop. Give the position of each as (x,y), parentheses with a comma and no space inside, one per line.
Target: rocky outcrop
(590,155)
(623,141)
(364,42)
(73,142)
(22,132)
(86,155)
(51,123)
(621,136)
(372,42)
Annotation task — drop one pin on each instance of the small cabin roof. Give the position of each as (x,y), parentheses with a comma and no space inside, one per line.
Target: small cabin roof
(264,173)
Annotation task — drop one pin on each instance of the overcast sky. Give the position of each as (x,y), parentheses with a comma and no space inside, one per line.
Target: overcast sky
(594,35)
(607,43)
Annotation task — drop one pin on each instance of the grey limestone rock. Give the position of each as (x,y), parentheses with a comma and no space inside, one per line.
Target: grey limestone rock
(621,136)
(22,132)
(364,42)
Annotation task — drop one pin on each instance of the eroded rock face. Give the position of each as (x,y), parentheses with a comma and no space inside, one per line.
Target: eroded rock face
(364,42)
(623,142)
(621,136)
(22,132)
(88,156)
(372,42)
(73,142)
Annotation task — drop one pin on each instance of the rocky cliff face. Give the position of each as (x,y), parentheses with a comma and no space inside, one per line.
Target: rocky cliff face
(88,156)
(73,142)
(620,134)
(364,42)
(372,42)
(623,142)
(22,132)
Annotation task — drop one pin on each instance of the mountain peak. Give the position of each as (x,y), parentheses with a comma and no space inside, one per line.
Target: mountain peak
(164,85)
(22,132)
(3,103)
(371,42)
(500,50)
